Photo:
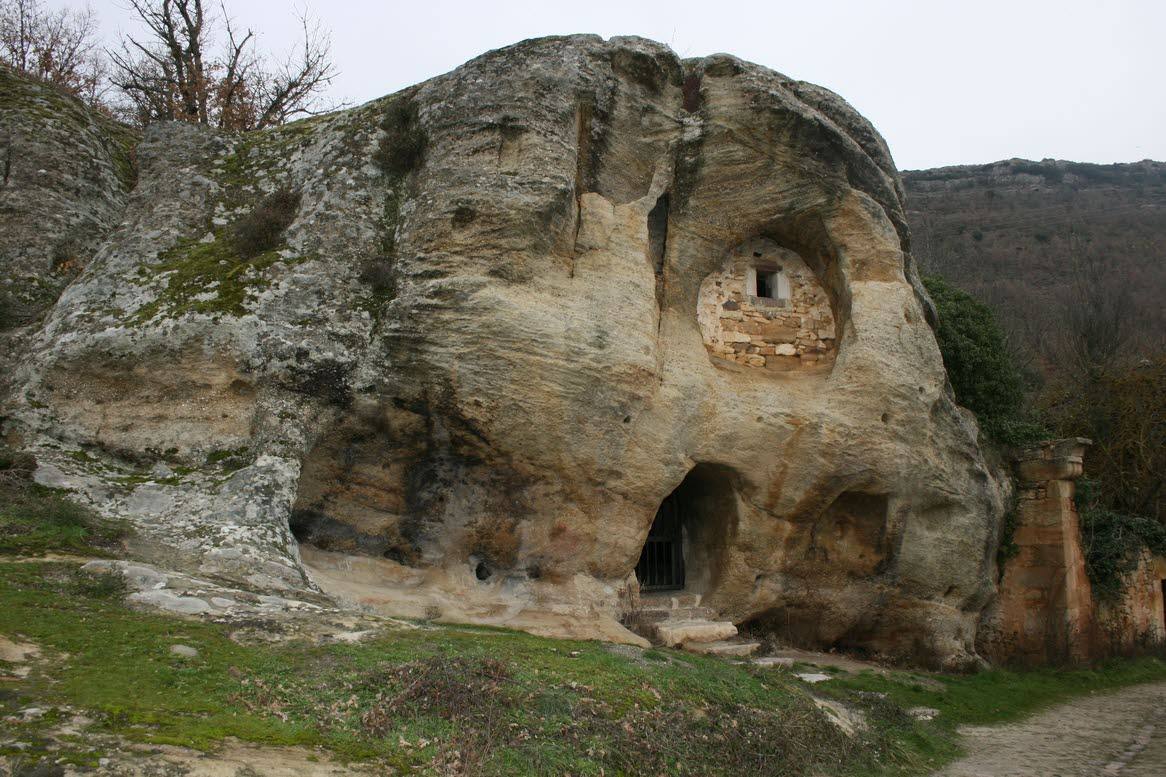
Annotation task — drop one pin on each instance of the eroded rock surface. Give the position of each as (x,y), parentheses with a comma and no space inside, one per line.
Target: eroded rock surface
(476,355)
(64,174)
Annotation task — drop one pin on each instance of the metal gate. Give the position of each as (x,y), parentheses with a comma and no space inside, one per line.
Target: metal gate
(661,566)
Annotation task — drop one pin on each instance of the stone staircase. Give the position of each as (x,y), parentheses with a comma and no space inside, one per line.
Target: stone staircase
(679,620)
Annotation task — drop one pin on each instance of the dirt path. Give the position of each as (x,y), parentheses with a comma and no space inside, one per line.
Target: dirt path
(1119,734)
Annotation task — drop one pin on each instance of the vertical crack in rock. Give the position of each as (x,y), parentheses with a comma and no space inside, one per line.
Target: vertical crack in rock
(691,96)
(7,160)
(584,169)
(510,133)
(658,243)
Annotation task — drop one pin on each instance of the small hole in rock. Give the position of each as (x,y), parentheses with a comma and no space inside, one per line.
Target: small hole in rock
(756,254)
(482,572)
(534,572)
(886,417)
(627,419)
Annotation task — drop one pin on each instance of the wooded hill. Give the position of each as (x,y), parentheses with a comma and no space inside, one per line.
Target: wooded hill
(1016,233)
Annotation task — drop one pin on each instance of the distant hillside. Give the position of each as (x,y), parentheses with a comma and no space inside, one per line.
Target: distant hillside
(1011,231)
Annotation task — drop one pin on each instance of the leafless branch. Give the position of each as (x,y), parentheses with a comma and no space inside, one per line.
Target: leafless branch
(59,47)
(170,72)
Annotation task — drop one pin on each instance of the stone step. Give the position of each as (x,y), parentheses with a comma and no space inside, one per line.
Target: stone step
(723,647)
(669,601)
(655,615)
(678,632)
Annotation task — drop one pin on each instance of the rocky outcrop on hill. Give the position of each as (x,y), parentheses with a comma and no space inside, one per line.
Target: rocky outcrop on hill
(483,348)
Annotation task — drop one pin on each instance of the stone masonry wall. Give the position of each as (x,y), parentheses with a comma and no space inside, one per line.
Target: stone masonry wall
(1044,613)
(1138,620)
(776,334)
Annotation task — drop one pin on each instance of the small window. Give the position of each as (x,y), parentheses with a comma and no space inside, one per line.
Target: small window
(767,284)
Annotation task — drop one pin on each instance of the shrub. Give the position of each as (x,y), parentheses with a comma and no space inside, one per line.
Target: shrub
(982,373)
(1113,541)
(378,275)
(1122,409)
(261,229)
(402,148)
(99,585)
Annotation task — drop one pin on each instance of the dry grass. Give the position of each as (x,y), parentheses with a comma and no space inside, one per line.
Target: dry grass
(262,229)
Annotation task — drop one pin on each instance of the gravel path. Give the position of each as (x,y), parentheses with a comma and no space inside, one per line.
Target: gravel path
(1119,734)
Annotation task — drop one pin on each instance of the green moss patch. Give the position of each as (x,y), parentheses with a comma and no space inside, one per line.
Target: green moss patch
(45,103)
(211,278)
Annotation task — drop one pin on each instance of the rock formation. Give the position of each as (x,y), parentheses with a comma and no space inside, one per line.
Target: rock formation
(502,317)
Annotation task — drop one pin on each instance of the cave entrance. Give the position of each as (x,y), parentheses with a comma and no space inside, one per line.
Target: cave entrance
(661,566)
(692,529)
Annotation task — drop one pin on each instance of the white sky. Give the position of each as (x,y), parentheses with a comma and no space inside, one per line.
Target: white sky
(945,82)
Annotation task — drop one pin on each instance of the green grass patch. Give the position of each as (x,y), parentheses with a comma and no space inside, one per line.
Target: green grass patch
(419,700)
(1000,695)
(490,701)
(35,520)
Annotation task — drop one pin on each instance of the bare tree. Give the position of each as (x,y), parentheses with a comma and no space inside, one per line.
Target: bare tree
(1096,317)
(55,46)
(193,65)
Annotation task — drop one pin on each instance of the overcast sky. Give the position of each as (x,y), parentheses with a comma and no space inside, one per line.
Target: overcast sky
(945,82)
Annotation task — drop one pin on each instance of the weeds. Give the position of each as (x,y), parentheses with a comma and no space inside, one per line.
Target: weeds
(378,275)
(262,229)
(35,520)
(402,147)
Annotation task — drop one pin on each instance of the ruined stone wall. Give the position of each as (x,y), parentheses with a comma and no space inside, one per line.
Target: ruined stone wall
(1138,620)
(791,332)
(1044,610)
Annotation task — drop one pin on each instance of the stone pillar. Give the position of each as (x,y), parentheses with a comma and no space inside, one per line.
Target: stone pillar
(1044,611)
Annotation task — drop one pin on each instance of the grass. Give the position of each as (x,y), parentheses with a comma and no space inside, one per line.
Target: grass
(486,701)
(1000,695)
(425,699)
(35,520)
(472,700)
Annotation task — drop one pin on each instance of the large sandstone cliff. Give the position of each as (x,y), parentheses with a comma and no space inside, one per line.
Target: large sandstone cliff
(517,307)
